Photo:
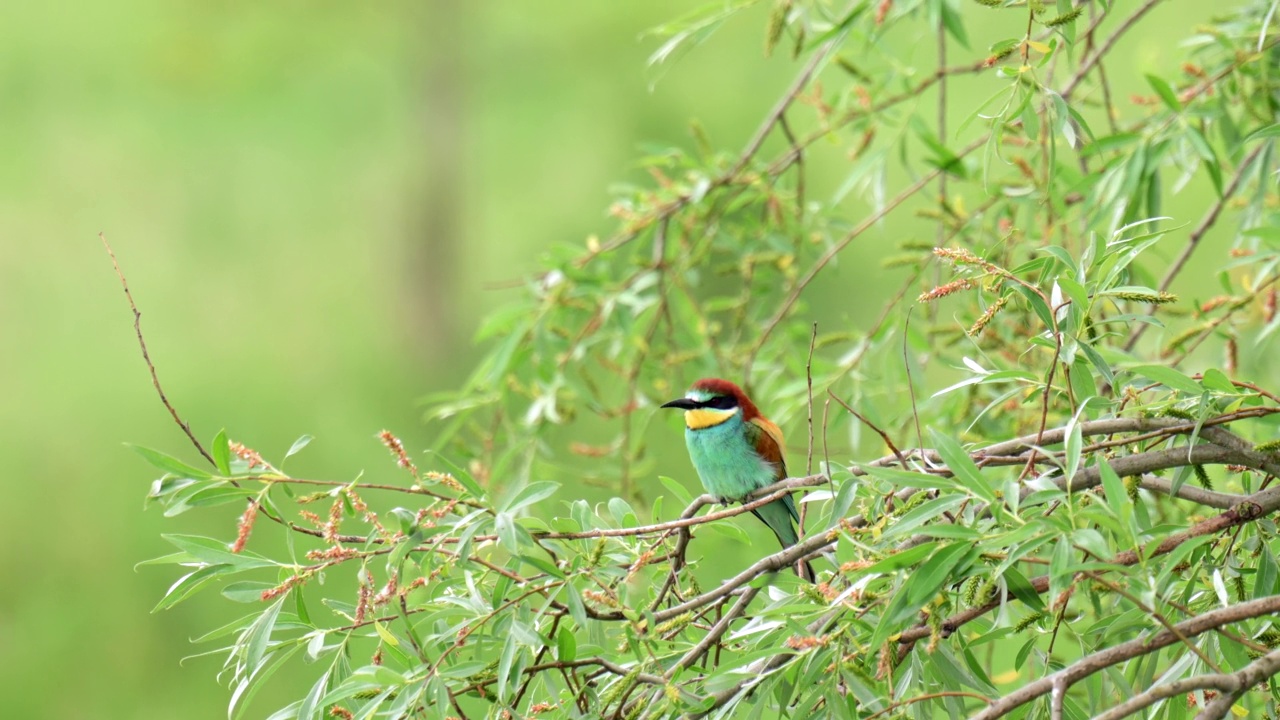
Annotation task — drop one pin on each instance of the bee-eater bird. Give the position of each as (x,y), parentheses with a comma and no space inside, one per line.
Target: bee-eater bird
(737,451)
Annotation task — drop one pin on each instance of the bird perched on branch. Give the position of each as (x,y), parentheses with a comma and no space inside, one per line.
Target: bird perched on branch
(737,451)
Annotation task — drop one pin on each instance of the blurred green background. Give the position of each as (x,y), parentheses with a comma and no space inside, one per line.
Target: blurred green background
(314,204)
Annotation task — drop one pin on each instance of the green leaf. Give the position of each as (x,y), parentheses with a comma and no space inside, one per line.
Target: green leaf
(951,21)
(1020,587)
(1264,133)
(214,552)
(950,561)
(370,677)
(507,535)
(846,493)
(240,698)
(297,446)
(508,656)
(310,706)
(1071,450)
(907,478)
(209,496)
(544,565)
(963,467)
(221,450)
(566,645)
(676,489)
(692,29)
(1037,304)
(1168,377)
(403,548)
(576,609)
(258,637)
(188,584)
(1215,379)
(463,669)
(1111,143)
(897,561)
(171,464)
(300,606)
(387,636)
(1165,92)
(528,495)
(924,513)
(1212,164)
(246,591)
(1264,582)
(920,589)
(463,477)
(1058,563)
(1117,498)
(622,512)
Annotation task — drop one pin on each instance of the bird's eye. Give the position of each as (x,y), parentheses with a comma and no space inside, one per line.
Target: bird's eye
(722,402)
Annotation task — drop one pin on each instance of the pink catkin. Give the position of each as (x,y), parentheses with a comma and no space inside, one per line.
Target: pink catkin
(245,526)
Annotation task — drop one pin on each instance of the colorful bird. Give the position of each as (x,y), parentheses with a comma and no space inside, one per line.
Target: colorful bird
(737,451)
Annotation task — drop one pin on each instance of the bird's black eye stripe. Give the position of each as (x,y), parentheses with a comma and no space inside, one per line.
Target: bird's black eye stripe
(721,402)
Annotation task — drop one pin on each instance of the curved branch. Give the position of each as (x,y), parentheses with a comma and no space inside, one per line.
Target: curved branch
(715,633)
(1231,685)
(1244,509)
(1249,508)
(1199,495)
(1103,659)
(1235,684)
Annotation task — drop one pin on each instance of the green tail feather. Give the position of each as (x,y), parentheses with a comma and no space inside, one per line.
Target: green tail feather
(780,515)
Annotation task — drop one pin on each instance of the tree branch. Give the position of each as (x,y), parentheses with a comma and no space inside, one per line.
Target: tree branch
(1103,659)
(1231,685)
(142,344)
(1107,45)
(1193,240)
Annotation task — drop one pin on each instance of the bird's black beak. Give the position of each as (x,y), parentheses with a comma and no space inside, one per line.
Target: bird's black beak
(683,404)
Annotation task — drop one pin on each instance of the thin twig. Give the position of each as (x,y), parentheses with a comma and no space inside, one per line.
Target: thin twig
(883,435)
(911,387)
(797,289)
(1193,240)
(808,376)
(1087,64)
(142,344)
(923,698)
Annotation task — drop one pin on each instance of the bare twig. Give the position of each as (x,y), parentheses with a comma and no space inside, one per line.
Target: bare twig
(1193,240)
(902,460)
(1087,64)
(142,344)
(797,289)
(924,698)
(808,375)
(911,386)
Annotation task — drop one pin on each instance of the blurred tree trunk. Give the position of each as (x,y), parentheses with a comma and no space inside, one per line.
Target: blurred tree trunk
(436,224)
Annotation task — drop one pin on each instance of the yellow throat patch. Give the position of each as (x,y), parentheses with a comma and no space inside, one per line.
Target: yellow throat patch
(706,417)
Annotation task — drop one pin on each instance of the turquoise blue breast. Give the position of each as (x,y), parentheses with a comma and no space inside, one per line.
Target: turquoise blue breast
(726,461)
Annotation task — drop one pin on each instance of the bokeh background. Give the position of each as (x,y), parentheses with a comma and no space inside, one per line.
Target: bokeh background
(314,203)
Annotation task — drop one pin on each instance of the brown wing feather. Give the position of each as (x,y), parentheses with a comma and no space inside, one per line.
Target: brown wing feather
(769,443)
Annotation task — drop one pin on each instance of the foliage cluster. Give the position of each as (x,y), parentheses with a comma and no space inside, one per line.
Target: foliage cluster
(1080,525)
